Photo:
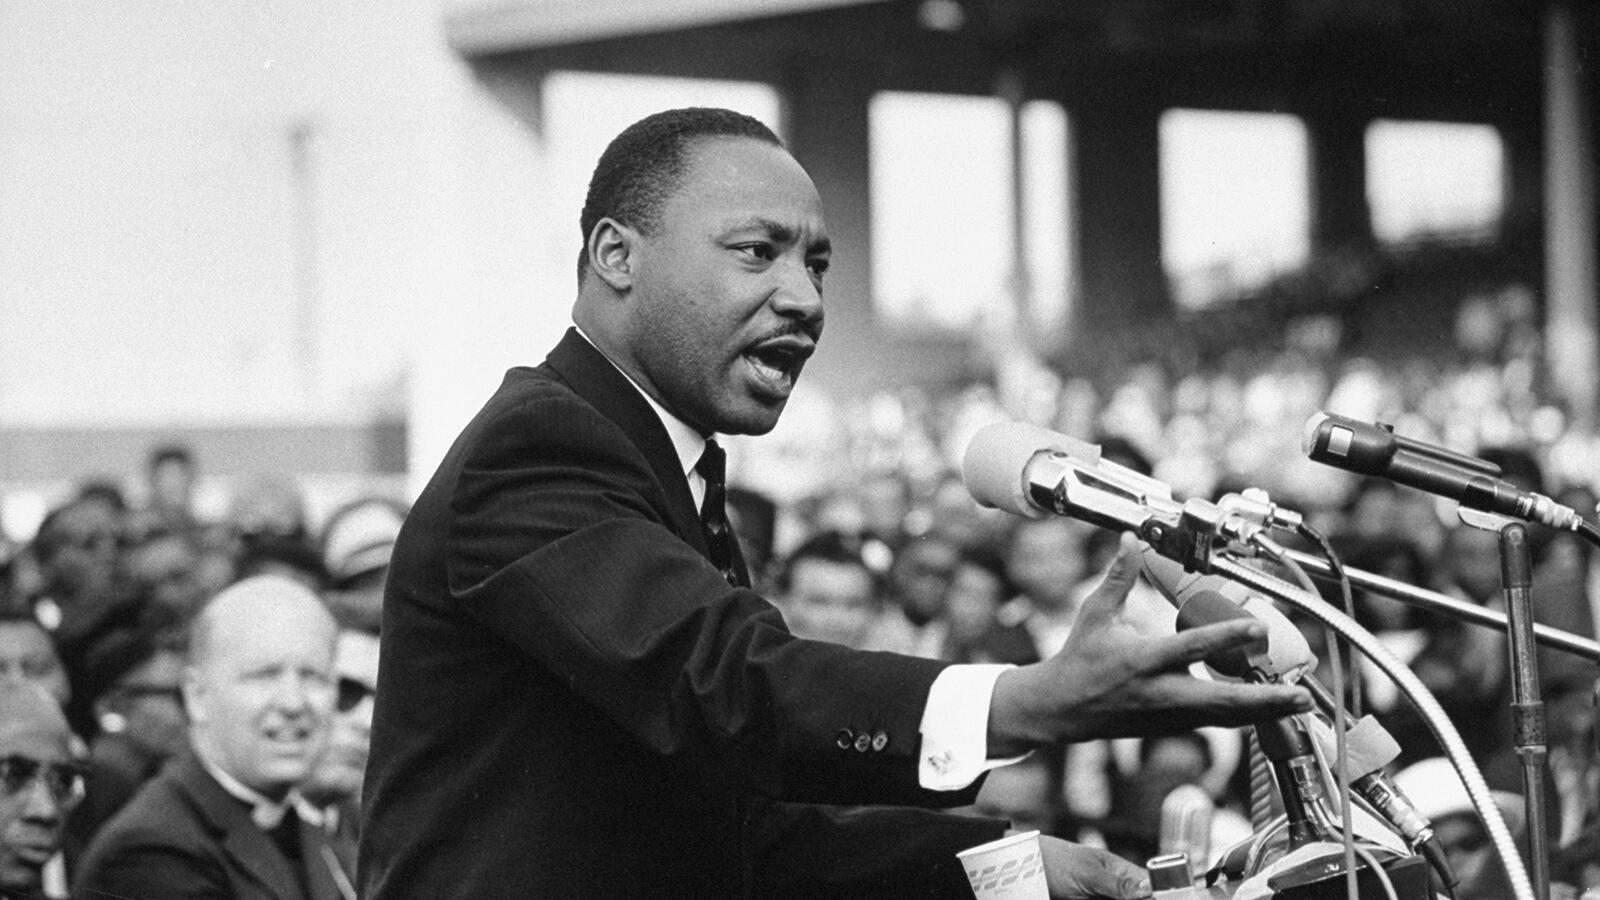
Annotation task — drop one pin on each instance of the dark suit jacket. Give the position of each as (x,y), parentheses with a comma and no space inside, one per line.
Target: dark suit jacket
(573,702)
(182,836)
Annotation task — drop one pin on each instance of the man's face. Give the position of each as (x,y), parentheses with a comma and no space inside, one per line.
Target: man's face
(32,806)
(168,568)
(263,696)
(830,601)
(922,575)
(26,654)
(87,550)
(726,296)
(149,699)
(1046,560)
(340,770)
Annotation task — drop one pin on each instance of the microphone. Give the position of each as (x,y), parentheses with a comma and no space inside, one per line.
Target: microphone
(1368,745)
(1033,472)
(1008,463)
(1374,449)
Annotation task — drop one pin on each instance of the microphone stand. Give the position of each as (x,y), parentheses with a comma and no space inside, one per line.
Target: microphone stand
(1468,612)
(1527,710)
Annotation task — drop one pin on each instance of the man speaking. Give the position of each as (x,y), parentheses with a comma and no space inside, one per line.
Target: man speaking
(580,696)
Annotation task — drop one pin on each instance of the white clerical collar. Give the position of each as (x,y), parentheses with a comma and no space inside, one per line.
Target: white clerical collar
(264,812)
(688,443)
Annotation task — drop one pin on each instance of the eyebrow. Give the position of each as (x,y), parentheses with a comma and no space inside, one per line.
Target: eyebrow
(782,233)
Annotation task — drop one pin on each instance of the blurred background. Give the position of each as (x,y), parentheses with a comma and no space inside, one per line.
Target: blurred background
(260,261)
(305,239)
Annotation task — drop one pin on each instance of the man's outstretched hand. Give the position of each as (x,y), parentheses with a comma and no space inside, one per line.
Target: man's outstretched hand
(1076,872)
(1114,680)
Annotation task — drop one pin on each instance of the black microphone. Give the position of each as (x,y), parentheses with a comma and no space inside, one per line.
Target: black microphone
(1374,449)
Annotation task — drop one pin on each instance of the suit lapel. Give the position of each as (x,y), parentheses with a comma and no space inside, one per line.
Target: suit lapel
(596,380)
(237,834)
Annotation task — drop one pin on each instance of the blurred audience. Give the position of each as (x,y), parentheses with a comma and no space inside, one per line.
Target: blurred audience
(132,677)
(171,472)
(28,655)
(881,547)
(334,786)
(357,541)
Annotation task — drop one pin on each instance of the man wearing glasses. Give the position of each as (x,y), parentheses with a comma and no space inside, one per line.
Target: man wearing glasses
(40,782)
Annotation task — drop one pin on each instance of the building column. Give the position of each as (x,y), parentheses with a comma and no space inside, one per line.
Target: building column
(1117,173)
(827,130)
(1341,217)
(1570,224)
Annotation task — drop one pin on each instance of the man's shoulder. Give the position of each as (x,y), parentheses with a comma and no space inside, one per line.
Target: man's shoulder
(164,808)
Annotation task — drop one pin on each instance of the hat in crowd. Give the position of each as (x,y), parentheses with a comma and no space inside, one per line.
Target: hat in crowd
(359,538)
(1436,790)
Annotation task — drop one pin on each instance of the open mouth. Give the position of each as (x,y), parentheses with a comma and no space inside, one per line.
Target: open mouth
(288,738)
(777,363)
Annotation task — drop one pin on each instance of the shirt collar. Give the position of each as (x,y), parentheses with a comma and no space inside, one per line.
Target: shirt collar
(264,812)
(688,443)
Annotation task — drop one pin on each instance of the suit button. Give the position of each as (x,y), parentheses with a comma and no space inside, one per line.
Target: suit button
(844,738)
(879,741)
(863,741)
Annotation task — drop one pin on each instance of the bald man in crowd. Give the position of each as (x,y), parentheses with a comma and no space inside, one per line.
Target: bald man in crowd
(224,819)
(40,781)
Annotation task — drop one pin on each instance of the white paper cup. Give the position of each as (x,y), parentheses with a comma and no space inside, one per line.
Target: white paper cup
(1008,869)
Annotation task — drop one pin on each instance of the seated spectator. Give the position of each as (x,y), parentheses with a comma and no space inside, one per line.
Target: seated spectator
(76,550)
(131,680)
(1045,559)
(223,819)
(39,783)
(171,473)
(269,506)
(828,593)
(335,783)
(918,578)
(289,557)
(28,654)
(164,567)
(356,543)
(978,588)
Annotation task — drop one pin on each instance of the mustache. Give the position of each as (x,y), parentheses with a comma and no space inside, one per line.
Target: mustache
(810,329)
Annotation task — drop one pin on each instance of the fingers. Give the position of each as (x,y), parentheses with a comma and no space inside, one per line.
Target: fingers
(1108,597)
(1196,702)
(1196,644)
(1076,871)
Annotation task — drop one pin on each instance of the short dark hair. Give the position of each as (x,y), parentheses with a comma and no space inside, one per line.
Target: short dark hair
(642,166)
(829,546)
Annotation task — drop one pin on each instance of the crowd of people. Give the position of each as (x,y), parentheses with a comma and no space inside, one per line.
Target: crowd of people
(187,663)
(101,601)
(151,659)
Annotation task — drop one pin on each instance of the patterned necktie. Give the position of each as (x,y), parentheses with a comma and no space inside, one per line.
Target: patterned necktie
(713,512)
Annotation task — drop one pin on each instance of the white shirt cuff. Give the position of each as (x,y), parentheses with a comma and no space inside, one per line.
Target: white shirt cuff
(955,728)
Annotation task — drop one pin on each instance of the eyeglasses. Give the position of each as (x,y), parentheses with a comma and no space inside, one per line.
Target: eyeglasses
(351,693)
(63,780)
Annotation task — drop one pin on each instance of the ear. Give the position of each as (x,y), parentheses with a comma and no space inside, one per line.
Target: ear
(613,253)
(194,695)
